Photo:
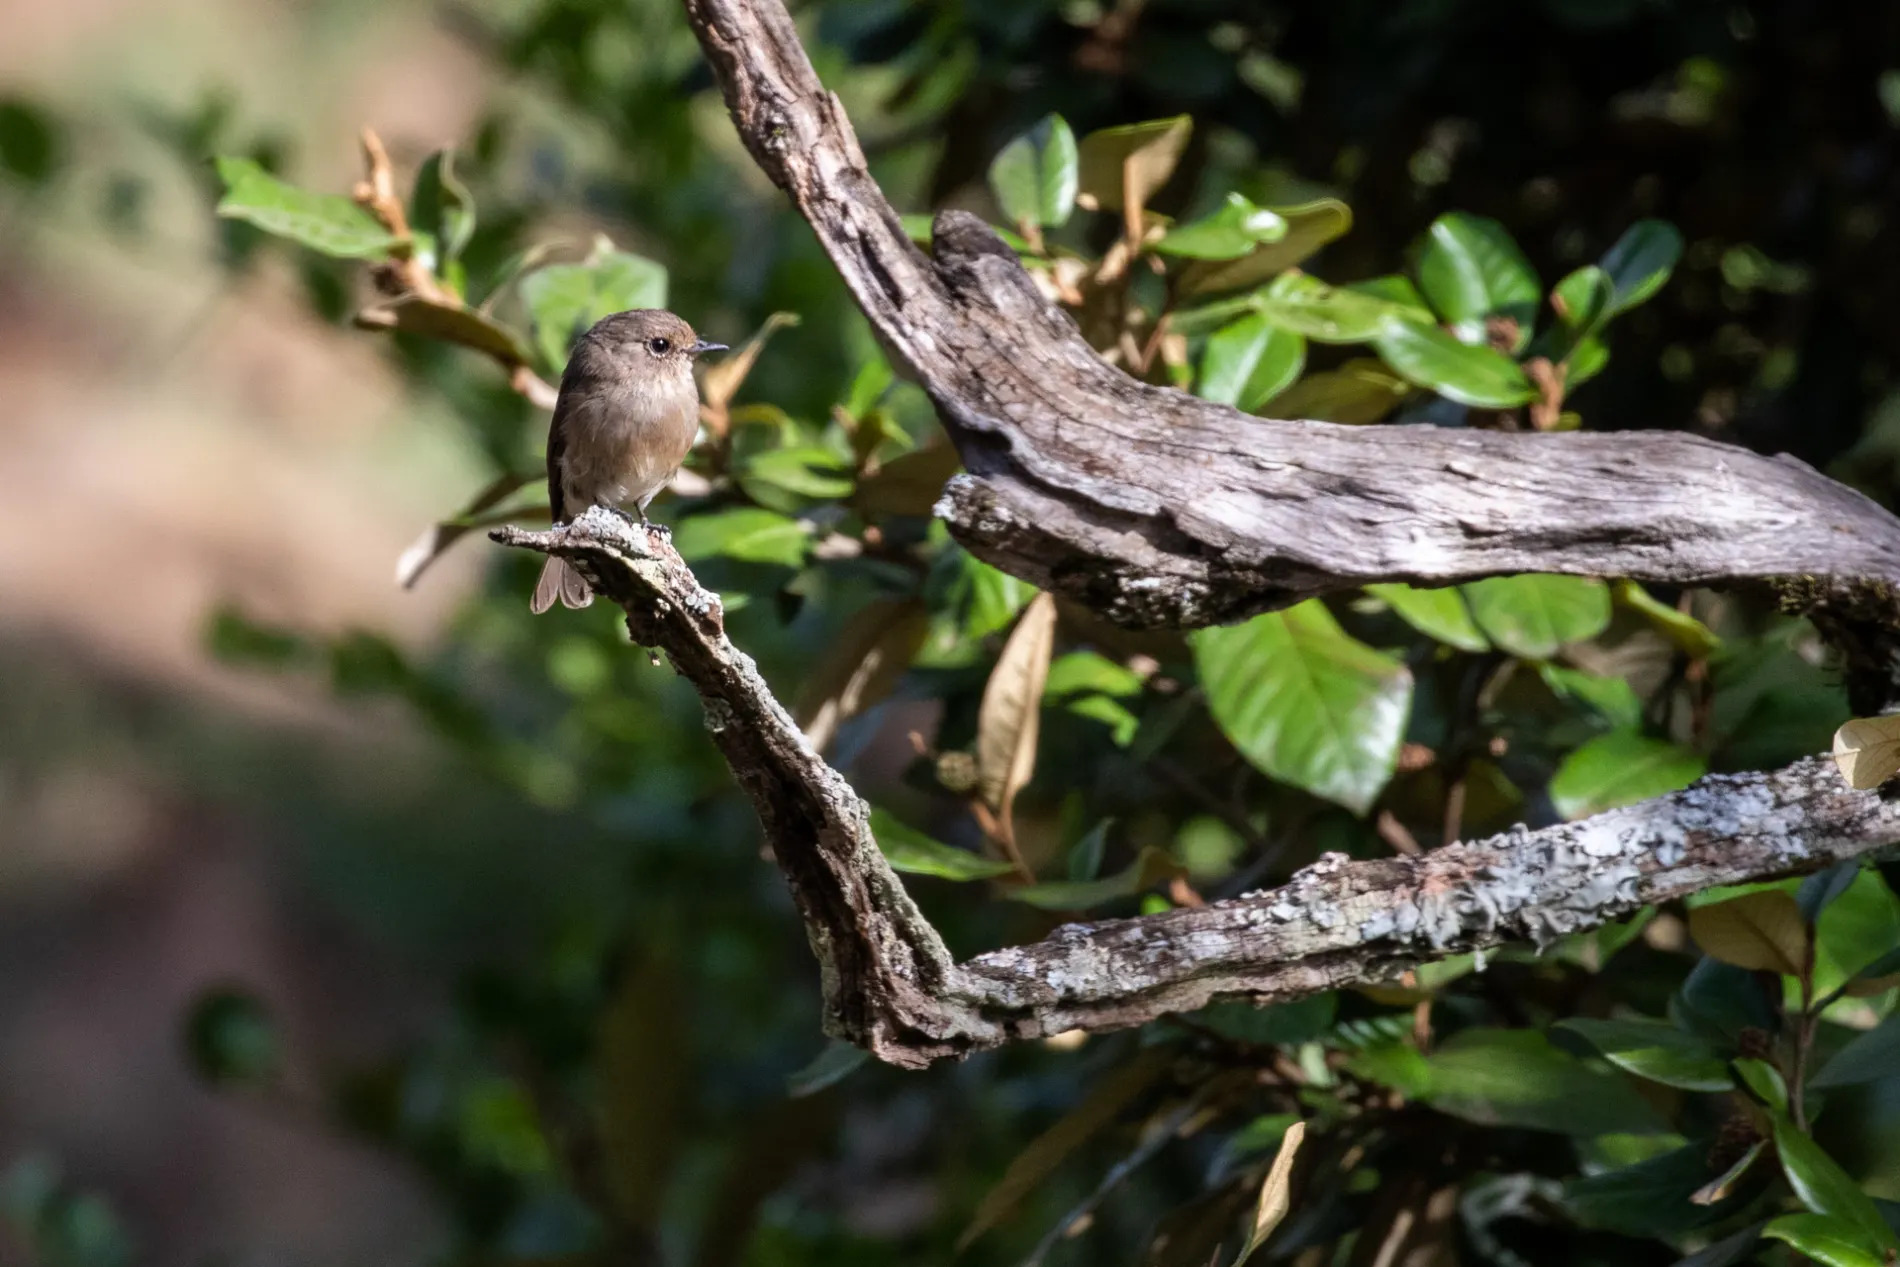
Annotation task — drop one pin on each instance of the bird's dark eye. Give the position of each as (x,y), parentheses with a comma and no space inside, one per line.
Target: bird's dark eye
(659,346)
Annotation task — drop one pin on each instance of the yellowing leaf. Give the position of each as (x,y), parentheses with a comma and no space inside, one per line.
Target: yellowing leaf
(1275,1192)
(867,657)
(1008,721)
(1867,750)
(720,381)
(1763,932)
(1132,161)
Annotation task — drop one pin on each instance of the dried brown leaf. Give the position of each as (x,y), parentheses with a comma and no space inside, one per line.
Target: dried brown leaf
(870,653)
(1763,932)
(1009,718)
(1867,750)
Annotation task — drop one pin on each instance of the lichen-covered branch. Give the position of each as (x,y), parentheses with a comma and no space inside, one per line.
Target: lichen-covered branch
(1163,510)
(891,985)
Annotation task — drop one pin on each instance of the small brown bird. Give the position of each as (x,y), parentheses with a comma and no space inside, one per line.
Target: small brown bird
(626,418)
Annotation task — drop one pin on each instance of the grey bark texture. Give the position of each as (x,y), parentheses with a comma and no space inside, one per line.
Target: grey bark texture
(891,986)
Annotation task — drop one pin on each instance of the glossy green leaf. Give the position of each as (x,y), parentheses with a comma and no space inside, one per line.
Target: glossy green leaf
(994,598)
(443,208)
(1655,1050)
(1612,697)
(1868,1056)
(1360,391)
(915,853)
(1857,930)
(1079,672)
(1587,360)
(1397,289)
(1689,634)
(1149,869)
(746,533)
(1827,1241)
(1437,613)
(1499,1077)
(1582,301)
(564,300)
(1536,615)
(1034,176)
(1427,356)
(1821,1185)
(1307,703)
(1309,227)
(1641,261)
(1620,768)
(1280,1025)
(1764,1081)
(1137,158)
(1471,269)
(1306,305)
(1652,1197)
(329,223)
(808,470)
(1229,233)
(1249,362)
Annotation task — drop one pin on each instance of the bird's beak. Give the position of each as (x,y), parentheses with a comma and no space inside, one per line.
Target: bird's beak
(702,347)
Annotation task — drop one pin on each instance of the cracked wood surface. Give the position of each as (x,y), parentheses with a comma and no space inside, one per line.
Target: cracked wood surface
(1160,509)
(891,985)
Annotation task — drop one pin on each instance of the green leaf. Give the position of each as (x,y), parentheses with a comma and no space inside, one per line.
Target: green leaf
(1612,697)
(1249,362)
(838,1061)
(1309,226)
(1471,269)
(232,1039)
(1147,152)
(1499,1077)
(1306,703)
(1586,362)
(329,223)
(1281,1025)
(1620,768)
(994,597)
(1640,262)
(1362,390)
(564,300)
(443,208)
(1306,305)
(1867,1056)
(1535,615)
(450,322)
(1397,289)
(1081,672)
(1655,1050)
(1690,635)
(1821,1185)
(1149,869)
(914,853)
(1856,931)
(808,470)
(1397,1065)
(746,533)
(1652,1197)
(1034,176)
(1831,1242)
(1765,1081)
(1434,360)
(1229,233)
(1437,613)
(1720,1000)
(1582,301)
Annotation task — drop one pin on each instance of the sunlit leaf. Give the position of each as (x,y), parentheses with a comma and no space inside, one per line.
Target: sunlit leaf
(1536,615)
(1471,269)
(746,533)
(1762,931)
(1689,634)
(1152,867)
(1655,1050)
(1250,361)
(915,853)
(1307,703)
(788,478)
(1828,1241)
(1229,233)
(1143,155)
(860,665)
(1499,1077)
(1309,226)
(1641,261)
(1034,177)
(1081,671)
(1612,697)
(1621,768)
(1867,750)
(1437,613)
(1009,718)
(1821,1185)
(1362,390)
(1276,1193)
(443,208)
(329,223)
(1436,361)
(564,300)
(1583,304)
(1306,305)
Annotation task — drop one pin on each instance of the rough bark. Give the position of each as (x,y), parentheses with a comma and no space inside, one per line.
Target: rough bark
(890,984)
(1159,509)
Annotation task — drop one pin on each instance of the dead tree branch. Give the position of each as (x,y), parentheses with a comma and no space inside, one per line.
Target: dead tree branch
(1159,509)
(890,984)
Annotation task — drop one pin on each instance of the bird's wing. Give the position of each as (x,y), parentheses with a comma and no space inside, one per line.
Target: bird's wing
(557,449)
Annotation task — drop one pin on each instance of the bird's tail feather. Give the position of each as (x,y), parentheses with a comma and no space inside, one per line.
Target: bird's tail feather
(560,580)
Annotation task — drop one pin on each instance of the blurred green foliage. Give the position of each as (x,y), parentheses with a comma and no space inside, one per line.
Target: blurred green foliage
(1548,215)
